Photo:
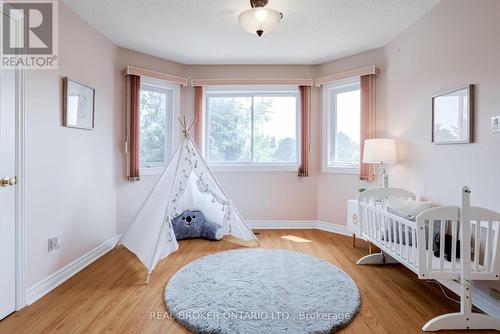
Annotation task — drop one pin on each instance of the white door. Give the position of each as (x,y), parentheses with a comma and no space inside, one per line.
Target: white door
(7,192)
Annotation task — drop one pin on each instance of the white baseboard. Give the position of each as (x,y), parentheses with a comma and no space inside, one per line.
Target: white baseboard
(298,225)
(54,280)
(333,228)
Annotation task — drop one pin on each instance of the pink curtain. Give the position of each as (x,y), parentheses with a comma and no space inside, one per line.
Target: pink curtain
(367,83)
(198,114)
(135,87)
(305,95)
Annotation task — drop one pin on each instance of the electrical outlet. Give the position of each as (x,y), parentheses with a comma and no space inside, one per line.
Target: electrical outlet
(495,124)
(54,243)
(267,204)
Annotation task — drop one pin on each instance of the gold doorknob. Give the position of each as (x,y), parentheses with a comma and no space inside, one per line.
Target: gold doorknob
(6,181)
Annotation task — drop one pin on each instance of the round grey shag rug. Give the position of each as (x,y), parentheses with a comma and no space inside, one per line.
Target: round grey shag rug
(261,291)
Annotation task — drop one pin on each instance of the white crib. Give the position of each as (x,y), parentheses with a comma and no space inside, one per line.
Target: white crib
(405,241)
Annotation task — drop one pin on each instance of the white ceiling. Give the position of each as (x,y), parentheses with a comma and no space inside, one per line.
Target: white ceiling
(208,31)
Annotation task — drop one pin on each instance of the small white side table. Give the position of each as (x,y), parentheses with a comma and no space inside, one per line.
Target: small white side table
(353,220)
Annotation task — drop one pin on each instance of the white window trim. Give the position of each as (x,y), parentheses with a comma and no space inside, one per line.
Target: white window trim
(175,133)
(327,127)
(252,91)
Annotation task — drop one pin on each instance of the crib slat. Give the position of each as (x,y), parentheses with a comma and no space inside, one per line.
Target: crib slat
(477,241)
(429,245)
(386,232)
(400,238)
(494,245)
(365,220)
(374,220)
(414,245)
(442,231)
(393,235)
(408,239)
(367,217)
(405,233)
(369,228)
(454,233)
(372,228)
(487,250)
(379,223)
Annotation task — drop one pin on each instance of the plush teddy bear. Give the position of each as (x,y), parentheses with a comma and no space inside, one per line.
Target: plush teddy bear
(192,224)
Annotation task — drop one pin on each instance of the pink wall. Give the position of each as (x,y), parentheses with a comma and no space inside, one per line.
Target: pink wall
(70,173)
(456,43)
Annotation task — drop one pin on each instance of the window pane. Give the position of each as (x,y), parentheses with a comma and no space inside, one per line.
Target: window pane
(275,129)
(153,126)
(229,129)
(347,125)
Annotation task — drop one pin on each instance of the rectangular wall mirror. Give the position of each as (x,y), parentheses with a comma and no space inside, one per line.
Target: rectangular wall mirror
(452,116)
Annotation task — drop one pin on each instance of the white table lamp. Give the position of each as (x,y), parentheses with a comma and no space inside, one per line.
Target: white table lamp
(381,151)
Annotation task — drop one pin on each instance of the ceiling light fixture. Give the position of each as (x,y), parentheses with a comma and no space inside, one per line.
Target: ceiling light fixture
(259,19)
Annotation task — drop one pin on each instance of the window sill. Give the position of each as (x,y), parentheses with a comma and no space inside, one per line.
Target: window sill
(144,171)
(340,170)
(254,168)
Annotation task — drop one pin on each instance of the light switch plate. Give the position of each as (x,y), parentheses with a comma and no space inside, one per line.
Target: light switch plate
(495,124)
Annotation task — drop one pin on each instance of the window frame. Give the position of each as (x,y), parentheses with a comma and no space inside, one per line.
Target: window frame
(163,85)
(251,91)
(329,91)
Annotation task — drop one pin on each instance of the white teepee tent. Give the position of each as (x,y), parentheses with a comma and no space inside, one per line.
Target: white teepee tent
(186,184)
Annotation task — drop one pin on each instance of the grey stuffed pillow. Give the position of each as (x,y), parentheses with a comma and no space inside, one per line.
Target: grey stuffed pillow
(192,224)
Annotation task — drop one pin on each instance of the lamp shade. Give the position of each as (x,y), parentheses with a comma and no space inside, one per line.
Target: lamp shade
(379,150)
(259,20)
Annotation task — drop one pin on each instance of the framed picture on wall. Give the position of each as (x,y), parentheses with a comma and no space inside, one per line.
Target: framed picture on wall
(78,105)
(453,116)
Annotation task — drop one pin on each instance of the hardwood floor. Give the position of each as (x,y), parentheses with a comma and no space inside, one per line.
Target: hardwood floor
(109,295)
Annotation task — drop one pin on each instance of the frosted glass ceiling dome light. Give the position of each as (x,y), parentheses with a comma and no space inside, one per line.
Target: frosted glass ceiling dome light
(259,20)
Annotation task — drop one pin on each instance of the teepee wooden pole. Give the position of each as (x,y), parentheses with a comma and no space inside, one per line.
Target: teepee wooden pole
(192,123)
(184,126)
